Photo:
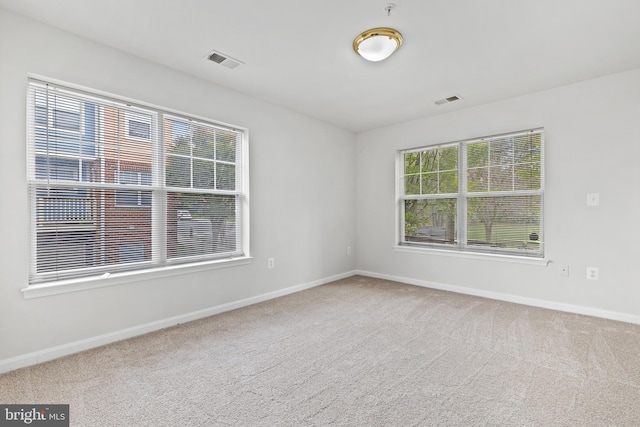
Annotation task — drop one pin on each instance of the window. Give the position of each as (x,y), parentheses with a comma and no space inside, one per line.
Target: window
(134,197)
(138,126)
(118,187)
(481,195)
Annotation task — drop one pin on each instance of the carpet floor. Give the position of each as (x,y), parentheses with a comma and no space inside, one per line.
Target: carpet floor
(356,352)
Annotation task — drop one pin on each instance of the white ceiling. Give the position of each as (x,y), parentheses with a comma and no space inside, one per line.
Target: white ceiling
(298,54)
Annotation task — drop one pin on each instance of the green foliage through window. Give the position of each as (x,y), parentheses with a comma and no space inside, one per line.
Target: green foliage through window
(500,194)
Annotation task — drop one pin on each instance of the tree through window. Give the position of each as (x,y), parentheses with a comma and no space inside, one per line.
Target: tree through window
(484,195)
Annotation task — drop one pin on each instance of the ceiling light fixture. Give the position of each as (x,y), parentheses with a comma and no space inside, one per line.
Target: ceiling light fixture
(378,44)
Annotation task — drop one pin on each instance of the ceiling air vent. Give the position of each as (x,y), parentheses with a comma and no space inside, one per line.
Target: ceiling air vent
(448,99)
(222,59)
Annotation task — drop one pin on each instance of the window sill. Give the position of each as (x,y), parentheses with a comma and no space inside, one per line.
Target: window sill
(475,255)
(85,283)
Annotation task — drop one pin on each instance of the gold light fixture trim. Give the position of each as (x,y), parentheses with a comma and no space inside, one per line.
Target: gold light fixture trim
(377,44)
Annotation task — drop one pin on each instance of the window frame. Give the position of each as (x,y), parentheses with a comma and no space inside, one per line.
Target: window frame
(43,283)
(461,247)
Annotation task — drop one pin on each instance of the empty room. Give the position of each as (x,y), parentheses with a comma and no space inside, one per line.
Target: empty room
(357,213)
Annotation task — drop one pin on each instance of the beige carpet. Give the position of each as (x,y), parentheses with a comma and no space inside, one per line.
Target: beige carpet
(357,352)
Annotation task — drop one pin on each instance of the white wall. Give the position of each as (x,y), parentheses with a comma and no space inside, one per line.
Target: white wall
(303,187)
(592,145)
(302,196)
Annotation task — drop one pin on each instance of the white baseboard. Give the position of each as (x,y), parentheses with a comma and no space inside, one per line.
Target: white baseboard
(56,352)
(569,308)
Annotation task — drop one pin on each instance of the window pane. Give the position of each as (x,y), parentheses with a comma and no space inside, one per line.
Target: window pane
(145,178)
(203,140)
(411,163)
(58,101)
(430,183)
(412,184)
(84,229)
(449,182)
(527,176)
(501,151)
(178,173)
(68,120)
(498,153)
(128,177)
(438,168)
(204,174)
(41,115)
(430,221)
(511,222)
(57,168)
(200,224)
(65,250)
(126,198)
(478,180)
(210,153)
(501,178)
(478,154)
(528,148)
(429,161)
(448,158)
(225,176)
(126,236)
(515,160)
(145,198)
(139,129)
(226,146)
(133,198)
(179,137)
(90,126)
(131,252)
(66,229)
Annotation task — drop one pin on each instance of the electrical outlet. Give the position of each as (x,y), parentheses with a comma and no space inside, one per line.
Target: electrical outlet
(271,263)
(348,250)
(564,270)
(592,273)
(593,199)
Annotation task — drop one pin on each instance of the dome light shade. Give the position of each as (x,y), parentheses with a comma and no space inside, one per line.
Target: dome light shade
(377,44)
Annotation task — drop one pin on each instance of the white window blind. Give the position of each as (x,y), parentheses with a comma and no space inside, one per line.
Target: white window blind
(481,195)
(116,187)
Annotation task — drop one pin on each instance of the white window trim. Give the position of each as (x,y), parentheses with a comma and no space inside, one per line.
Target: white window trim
(107,279)
(170,268)
(462,196)
(484,256)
